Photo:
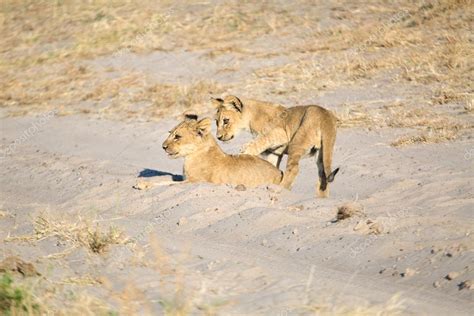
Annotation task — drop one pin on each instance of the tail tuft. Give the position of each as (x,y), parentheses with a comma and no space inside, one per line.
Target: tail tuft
(332,175)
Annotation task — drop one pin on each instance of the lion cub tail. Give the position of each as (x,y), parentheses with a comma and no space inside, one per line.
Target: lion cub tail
(331,176)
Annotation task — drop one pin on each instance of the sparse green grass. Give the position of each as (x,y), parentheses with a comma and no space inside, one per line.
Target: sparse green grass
(16,300)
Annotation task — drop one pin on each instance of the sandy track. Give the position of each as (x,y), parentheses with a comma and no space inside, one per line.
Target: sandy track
(255,249)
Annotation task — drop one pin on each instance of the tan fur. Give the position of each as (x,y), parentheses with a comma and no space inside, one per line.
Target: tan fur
(296,131)
(204,160)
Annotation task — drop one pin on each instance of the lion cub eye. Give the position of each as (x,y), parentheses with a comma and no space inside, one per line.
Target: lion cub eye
(226,121)
(176,137)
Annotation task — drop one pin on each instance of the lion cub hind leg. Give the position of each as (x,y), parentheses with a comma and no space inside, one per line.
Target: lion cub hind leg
(300,145)
(322,186)
(324,161)
(298,148)
(292,166)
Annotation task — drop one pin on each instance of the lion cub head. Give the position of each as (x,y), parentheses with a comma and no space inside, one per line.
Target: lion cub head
(188,137)
(229,117)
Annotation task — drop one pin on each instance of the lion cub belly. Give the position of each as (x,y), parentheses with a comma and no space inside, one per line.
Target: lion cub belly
(248,170)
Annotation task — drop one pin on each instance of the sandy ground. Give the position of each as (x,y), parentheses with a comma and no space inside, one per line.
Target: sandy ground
(262,250)
(67,202)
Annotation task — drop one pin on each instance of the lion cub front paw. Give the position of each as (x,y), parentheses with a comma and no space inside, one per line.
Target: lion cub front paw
(248,150)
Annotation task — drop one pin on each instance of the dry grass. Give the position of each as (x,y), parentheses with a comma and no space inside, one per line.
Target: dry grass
(433,136)
(71,295)
(80,233)
(430,124)
(76,234)
(404,42)
(42,297)
(79,89)
(348,210)
(393,307)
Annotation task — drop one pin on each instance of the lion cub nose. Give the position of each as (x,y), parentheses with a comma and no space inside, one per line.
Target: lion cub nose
(165,146)
(219,137)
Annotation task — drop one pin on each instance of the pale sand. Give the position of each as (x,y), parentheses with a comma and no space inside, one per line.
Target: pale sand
(259,251)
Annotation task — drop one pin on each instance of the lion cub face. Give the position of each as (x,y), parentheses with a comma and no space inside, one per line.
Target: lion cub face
(188,137)
(229,117)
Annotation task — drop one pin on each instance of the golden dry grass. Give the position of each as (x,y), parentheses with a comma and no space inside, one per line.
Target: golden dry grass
(406,42)
(79,233)
(393,307)
(430,125)
(72,89)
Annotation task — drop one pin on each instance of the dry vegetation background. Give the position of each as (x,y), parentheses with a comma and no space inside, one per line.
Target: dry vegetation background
(419,52)
(75,57)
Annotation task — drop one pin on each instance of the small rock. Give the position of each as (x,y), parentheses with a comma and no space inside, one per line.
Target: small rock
(452,275)
(466,285)
(240,187)
(143,185)
(295,208)
(408,272)
(361,225)
(295,231)
(274,189)
(264,242)
(368,227)
(436,284)
(375,228)
(182,221)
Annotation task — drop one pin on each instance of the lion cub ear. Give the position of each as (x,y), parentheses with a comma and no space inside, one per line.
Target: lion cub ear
(235,102)
(189,116)
(203,127)
(217,102)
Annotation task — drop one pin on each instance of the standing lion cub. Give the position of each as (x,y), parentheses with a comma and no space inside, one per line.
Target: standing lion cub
(204,160)
(296,131)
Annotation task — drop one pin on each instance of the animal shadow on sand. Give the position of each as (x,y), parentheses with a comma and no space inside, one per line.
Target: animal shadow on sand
(148,173)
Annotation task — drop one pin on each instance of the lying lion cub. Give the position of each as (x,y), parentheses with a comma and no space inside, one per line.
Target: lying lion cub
(204,160)
(296,131)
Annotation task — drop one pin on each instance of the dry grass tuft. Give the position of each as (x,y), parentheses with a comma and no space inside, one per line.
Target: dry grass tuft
(349,210)
(354,116)
(77,234)
(433,125)
(395,306)
(98,241)
(432,136)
